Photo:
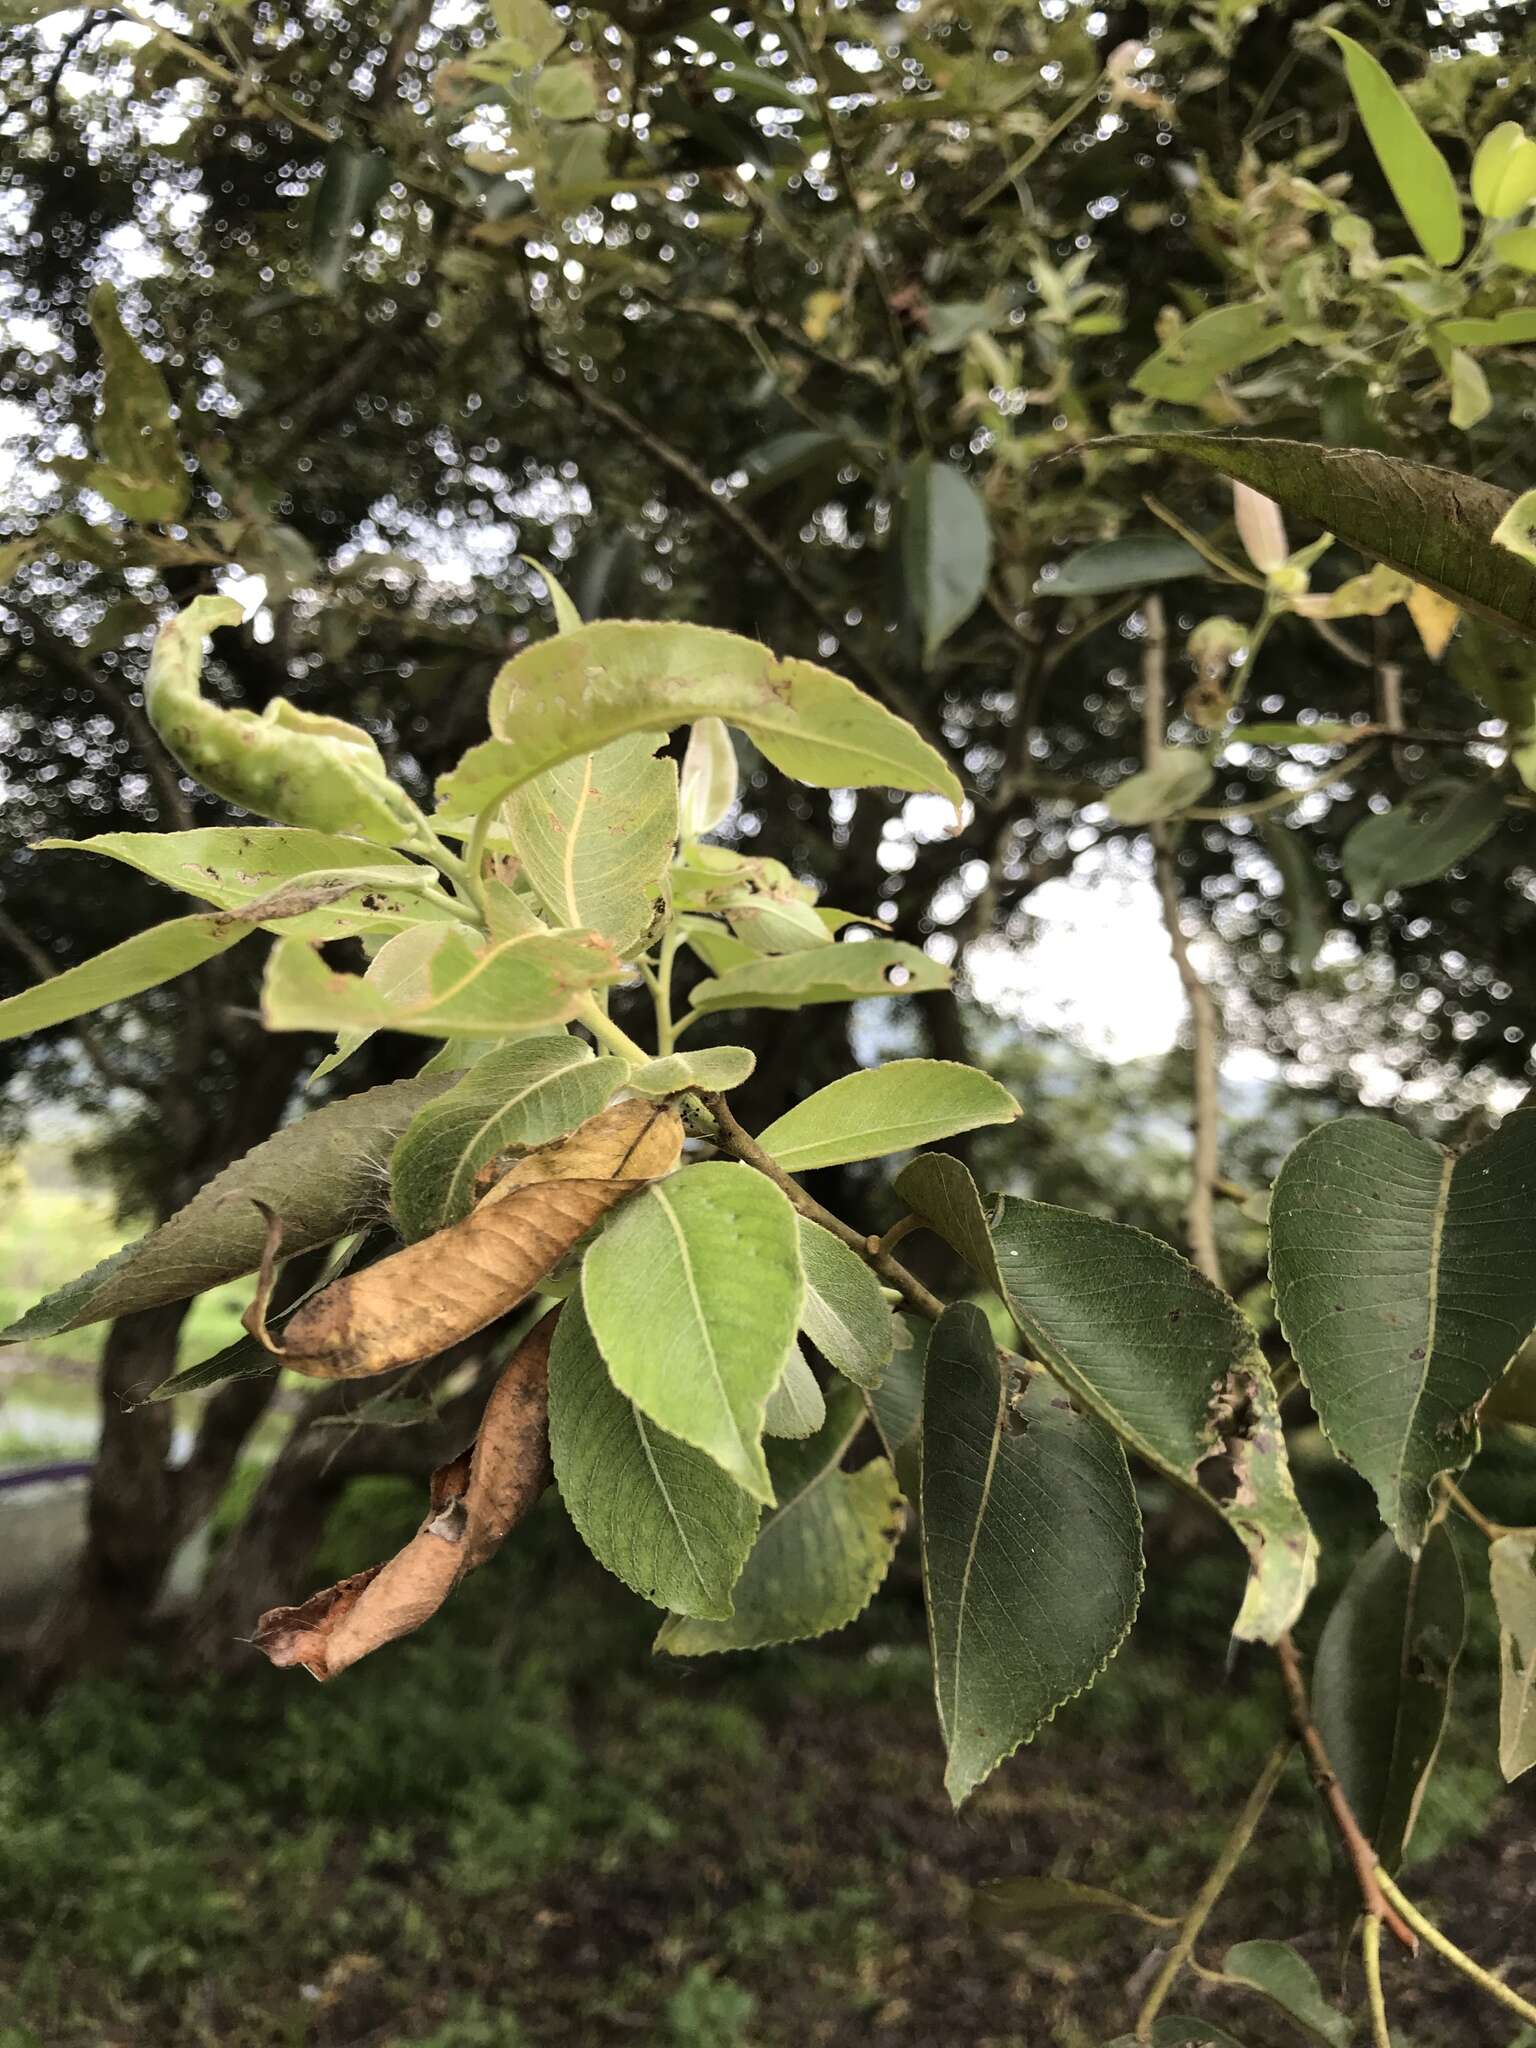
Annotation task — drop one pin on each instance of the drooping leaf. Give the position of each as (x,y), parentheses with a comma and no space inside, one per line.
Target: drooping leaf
(573,694)
(1512,1579)
(1405,1285)
(141,471)
(709,779)
(940,1190)
(823,974)
(321,1173)
(352,183)
(1136,561)
(694,1294)
(946,548)
(1419,839)
(483,991)
(1031,1548)
(520,1095)
(1048,1904)
(1435,525)
(1306,899)
(1381,1683)
(717,1068)
(595,837)
(820,1555)
(144,961)
(1287,1979)
(1178,777)
(1419,175)
(796,1407)
(658,1514)
(844,1313)
(878,1110)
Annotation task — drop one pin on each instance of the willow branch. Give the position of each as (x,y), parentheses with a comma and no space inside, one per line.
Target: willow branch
(1458,1958)
(1370,1949)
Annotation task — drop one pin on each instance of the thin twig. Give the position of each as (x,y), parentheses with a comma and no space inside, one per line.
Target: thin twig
(1490,1530)
(1357,1847)
(1232,1852)
(1443,1945)
(1370,1949)
(741,1145)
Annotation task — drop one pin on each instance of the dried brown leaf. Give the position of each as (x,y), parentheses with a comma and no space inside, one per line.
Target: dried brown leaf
(298,1635)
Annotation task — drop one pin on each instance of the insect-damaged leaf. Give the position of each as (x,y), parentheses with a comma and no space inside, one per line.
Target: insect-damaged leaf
(824,974)
(821,1553)
(1512,1579)
(519,1095)
(141,471)
(473,1504)
(717,1068)
(1154,1349)
(693,1295)
(321,1174)
(660,1515)
(1435,525)
(1381,1683)
(445,1287)
(574,693)
(880,1110)
(1405,1285)
(1031,1548)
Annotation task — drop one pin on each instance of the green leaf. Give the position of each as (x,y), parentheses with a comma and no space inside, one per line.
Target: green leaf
(878,1110)
(1419,839)
(1504,172)
(1306,899)
(520,1095)
(1135,561)
(709,779)
(1286,1979)
(1048,1904)
(141,962)
(844,1313)
(351,185)
(823,974)
(1405,1286)
(567,618)
(141,471)
(1322,732)
(571,695)
(596,836)
(1153,1348)
(1516,531)
(488,991)
(693,1292)
(1471,400)
(896,1404)
(1420,178)
(1187,367)
(234,867)
(1381,1682)
(821,1554)
(529,29)
(1031,1548)
(659,1515)
(566,92)
(717,1068)
(797,1406)
(1512,1580)
(784,457)
(946,548)
(1435,525)
(1517,249)
(1178,777)
(1502,330)
(399,972)
(320,1175)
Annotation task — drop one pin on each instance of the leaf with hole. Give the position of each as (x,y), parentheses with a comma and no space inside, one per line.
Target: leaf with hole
(846,973)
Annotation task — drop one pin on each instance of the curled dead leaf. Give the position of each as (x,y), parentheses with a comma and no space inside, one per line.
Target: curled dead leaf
(472,1505)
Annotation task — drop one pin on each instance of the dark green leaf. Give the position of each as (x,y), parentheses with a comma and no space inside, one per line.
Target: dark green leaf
(1306,899)
(946,548)
(1435,826)
(844,1313)
(1134,562)
(788,456)
(141,471)
(1048,1904)
(352,184)
(1274,1969)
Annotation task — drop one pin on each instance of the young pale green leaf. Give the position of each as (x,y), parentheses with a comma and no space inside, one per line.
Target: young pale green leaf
(478,992)
(351,185)
(658,1514)
(893,1108)
(844,1313)
(709,777)
(399,972)
(144,961)
(1419,839)
(823,974)
(1186,368)
(1471,399)
(1405,1286)
(1500,330)
(1381,1682)
(1031,1548)
(1517,249)
(1504,172)
(1516,531)
(1512,1580)
(1419,175)
(573,694)
(596,837)
(141,471)
(528,30)
(1135,561)
(567,618)
(522,1094)
(320,1175)
(234,867)
(946,548)
(693,1293)
(1433,524)
(820,1555)
(796,1407)
(1277,1972)
(717,1068)
(1178,777)
(1153,1348)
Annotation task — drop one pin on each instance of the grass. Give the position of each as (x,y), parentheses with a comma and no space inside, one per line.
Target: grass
(519,1830)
